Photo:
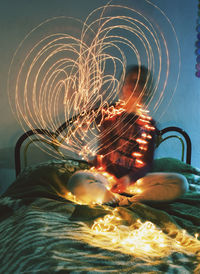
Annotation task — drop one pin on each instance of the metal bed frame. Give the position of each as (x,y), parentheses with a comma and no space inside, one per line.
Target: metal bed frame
(184,139)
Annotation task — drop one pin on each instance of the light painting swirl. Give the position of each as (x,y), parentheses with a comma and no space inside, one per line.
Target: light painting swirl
(67,69)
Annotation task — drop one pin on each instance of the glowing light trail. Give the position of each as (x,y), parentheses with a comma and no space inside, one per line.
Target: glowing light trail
(74,73)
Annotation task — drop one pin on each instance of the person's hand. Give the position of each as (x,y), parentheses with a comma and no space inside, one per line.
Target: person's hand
(123,200)
(119,200)
(111,199)
(121,185)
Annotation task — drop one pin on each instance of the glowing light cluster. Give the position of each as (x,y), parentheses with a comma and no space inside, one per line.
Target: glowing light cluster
(141,239)
(143,140)
(111,179)
(112,111)
(65,68)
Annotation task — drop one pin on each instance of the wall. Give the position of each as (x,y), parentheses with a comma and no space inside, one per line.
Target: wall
(17,18)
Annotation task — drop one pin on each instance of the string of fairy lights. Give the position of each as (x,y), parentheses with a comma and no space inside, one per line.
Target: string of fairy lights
(119,232)
(67,73)
(140,239)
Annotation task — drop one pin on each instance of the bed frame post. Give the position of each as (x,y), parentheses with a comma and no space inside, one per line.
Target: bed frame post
(187,139)
(21,140)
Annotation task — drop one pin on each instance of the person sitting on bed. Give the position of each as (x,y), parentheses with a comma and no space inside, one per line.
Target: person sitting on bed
(127,145)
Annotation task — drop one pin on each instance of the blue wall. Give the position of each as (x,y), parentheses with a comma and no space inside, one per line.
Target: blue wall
(17,18)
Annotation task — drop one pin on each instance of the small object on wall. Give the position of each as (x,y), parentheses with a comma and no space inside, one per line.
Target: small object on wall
(198,43)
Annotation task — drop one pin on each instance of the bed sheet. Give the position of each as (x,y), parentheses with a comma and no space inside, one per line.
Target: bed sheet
(41,231)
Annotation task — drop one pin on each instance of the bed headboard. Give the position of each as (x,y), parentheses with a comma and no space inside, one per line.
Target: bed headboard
(183,137)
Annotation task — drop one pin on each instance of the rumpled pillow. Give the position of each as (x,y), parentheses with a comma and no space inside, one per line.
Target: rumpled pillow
(47,179)
(173,165)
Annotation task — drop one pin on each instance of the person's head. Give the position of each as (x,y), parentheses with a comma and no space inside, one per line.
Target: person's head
(87,187)
(136,88)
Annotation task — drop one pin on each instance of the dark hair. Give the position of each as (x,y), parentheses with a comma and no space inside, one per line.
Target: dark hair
(145,78)
(135,69)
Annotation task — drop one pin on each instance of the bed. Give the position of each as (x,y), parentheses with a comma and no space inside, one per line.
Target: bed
(43,230)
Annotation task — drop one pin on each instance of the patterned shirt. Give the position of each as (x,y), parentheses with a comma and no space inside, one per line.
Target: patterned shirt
(127,144)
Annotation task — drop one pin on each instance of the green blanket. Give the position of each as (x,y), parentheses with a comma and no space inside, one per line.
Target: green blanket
(41,231)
